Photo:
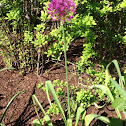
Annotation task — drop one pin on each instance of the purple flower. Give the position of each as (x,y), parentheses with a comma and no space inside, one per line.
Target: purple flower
(61,10)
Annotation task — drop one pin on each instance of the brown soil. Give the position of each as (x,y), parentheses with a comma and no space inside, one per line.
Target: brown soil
(21,111)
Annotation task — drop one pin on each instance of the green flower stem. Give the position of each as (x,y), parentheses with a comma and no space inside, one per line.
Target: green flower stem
(66,72)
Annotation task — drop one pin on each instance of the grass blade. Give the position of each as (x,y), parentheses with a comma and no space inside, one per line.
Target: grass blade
(34,98)
(47,93)
(10,104)
(46,117)
(6,68)
(90,117)
(49,85)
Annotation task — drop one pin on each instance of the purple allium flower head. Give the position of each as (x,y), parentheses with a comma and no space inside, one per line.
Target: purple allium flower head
(61,10)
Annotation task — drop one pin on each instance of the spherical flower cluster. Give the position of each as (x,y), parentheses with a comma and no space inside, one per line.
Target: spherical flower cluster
(61,10)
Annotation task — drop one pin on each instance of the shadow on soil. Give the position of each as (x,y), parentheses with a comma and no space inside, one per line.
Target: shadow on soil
(27,113)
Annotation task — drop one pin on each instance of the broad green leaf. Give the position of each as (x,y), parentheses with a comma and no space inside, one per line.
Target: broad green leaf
(116,122)
(80,110)
(123,4)
(119,103)
(8,105)
(104,89)
(90,117)
(47,93)
(50,87)
(118,87)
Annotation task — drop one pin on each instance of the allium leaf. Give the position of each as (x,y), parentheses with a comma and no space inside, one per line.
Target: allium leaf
(119,103)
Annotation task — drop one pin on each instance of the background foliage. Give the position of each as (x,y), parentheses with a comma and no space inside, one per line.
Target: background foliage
(29,37)
(29,40)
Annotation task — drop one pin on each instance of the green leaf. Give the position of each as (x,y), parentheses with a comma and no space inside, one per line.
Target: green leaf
(123,4)
(46,117)
(116,122)
(90,117)
(124,79)
(69,122)
(35,100)
(80,110)
(119,103)
(104,89)
(49,86)
(2,124)
(118,71)
(98,105)
(36,122)
(48,120)
(8,105)
(6,68)
(119,88)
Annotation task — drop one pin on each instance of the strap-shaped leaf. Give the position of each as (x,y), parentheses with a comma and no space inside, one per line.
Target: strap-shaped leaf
(80,110)
(118,87)
(90,117)
(10,102)
(6,68)
(35,100)
(2,124)
(69,122)
(46,117)
(118,71)
(119,103)
(98,106)
(50,87)
(36,122)
(104,89)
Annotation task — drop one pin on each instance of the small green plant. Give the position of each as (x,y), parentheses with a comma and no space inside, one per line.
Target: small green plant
(52,110)
(85,97)
(118,102)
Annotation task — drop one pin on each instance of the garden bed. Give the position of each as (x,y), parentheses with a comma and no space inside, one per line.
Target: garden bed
(21,112)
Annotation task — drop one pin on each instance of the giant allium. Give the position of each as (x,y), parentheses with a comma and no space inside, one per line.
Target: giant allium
(61,10)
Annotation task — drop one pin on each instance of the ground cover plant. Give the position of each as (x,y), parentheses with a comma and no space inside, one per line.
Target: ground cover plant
(30,40)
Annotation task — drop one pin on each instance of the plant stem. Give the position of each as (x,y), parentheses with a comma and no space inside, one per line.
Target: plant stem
(66,72)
